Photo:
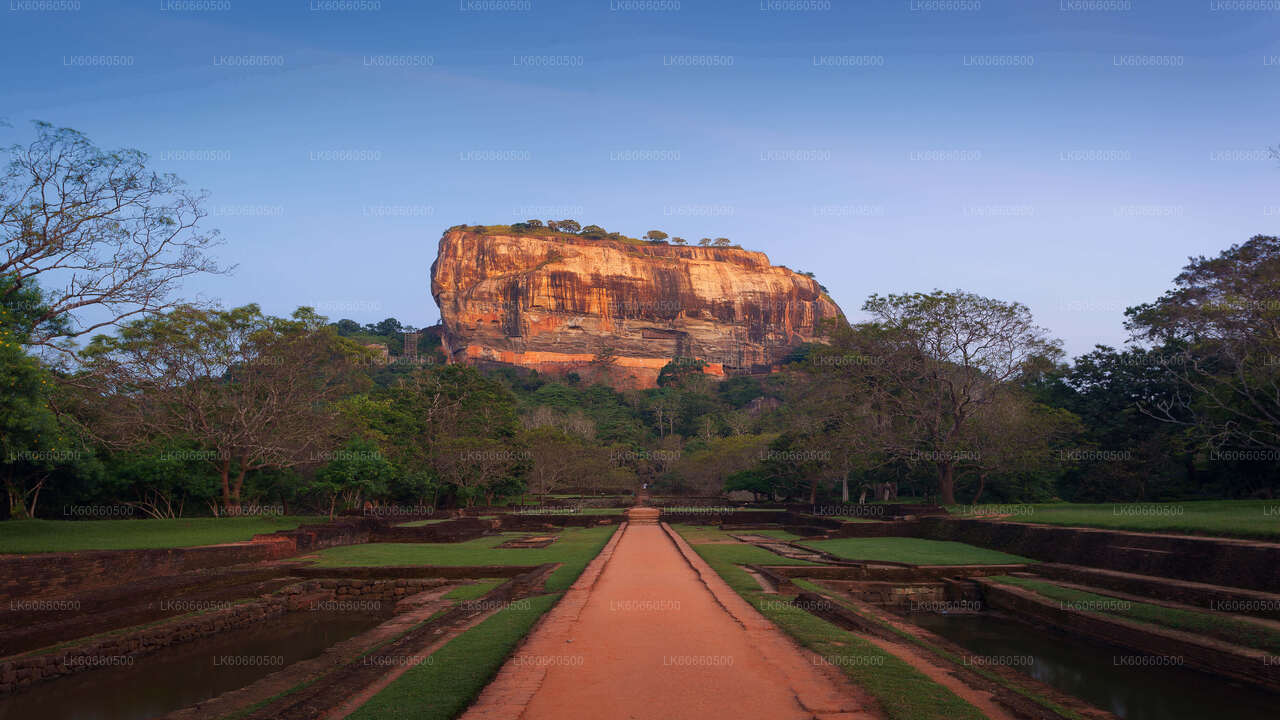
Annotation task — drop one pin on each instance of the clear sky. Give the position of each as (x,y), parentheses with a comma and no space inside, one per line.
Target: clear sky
(1069,155)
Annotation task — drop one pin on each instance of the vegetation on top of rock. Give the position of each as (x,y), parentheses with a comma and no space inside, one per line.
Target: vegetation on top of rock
(571,228)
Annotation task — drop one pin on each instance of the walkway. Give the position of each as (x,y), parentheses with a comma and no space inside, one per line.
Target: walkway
(649,631)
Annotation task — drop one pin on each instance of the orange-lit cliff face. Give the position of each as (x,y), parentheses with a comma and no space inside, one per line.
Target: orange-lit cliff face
(557,303)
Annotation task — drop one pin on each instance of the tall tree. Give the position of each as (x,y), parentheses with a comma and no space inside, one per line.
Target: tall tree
(1223,318)
(99,229)
(931,361)
(251,391)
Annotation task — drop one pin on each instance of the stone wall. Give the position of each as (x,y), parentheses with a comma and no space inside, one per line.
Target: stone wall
(21,671)
(1248,665)
(1216,561)
(123,648)
(43,576)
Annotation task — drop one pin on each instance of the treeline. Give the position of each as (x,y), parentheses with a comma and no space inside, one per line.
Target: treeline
(591,232)
(167,408)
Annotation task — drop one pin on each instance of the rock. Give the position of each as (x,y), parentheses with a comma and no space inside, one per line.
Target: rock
(553,302)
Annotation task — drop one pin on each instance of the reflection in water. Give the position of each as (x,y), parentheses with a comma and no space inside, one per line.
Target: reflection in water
(1101,675)
(183,675)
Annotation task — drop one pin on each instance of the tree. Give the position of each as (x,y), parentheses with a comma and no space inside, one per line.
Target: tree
(386,328)
(421,420)
(594,232)
(655,236)
(476,467)
(1223,320)
(680,371)
(569,226)
(705,471)
(704,242)
(1013,435)
(253,392)
(679,240)
(34,444)
(357,472)
(932,361)
(533,223)
(113,236)
(721,242)
(1124,453)
(556,459)
(753,480)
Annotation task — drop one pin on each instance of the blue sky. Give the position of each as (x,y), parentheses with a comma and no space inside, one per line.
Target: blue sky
(1066,155)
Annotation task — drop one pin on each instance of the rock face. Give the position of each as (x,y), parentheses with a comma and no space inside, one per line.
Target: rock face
(617,310)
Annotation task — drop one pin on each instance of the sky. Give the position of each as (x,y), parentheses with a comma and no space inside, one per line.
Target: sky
(1066,154)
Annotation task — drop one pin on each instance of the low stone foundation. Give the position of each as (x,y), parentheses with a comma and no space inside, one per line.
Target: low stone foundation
(1216,561)
(1245,664)
(122,648)
(41,576)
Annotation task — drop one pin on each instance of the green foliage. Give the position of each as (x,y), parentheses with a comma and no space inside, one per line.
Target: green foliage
(357,472)
(34,444)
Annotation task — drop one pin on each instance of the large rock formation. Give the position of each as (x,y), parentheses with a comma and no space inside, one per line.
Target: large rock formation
(622,310)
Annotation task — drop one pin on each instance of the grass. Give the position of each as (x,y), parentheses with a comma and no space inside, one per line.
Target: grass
(1256,519)
(38,536)
(473,590)
(914,551)
(1237,632)
(420,523)
(442,687)
(779,534)
(576,511)
(903,692)
(574,548)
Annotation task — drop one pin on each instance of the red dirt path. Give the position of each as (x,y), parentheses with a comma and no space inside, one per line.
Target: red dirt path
(650,631)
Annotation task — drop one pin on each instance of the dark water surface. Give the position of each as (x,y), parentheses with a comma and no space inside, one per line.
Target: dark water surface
(1091,671)
(183,675)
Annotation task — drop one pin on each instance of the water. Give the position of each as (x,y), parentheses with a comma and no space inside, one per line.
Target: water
(1087,670)
(183,675)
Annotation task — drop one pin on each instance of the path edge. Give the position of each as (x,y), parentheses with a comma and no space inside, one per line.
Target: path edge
(509,692)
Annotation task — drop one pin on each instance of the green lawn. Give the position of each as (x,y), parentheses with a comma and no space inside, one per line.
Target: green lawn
(455,674)
(914,551)
(1229,518)
(474,590)
(35,536)
(577,511)
(779,534)
(1238,632)
(902,691)
(575,547)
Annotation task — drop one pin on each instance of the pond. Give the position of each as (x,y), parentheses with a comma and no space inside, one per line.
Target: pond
(185,674)
(1091,671)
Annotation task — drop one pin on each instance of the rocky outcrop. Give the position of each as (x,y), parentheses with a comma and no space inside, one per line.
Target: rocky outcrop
(618,309)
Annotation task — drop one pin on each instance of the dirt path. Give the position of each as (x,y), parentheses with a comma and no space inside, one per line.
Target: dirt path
(650,634)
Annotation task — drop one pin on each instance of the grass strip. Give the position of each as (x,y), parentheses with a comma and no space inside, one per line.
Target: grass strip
(41,536)
(442,687)
(915,551)
(1237,632)
(1250,519)
(574,548)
